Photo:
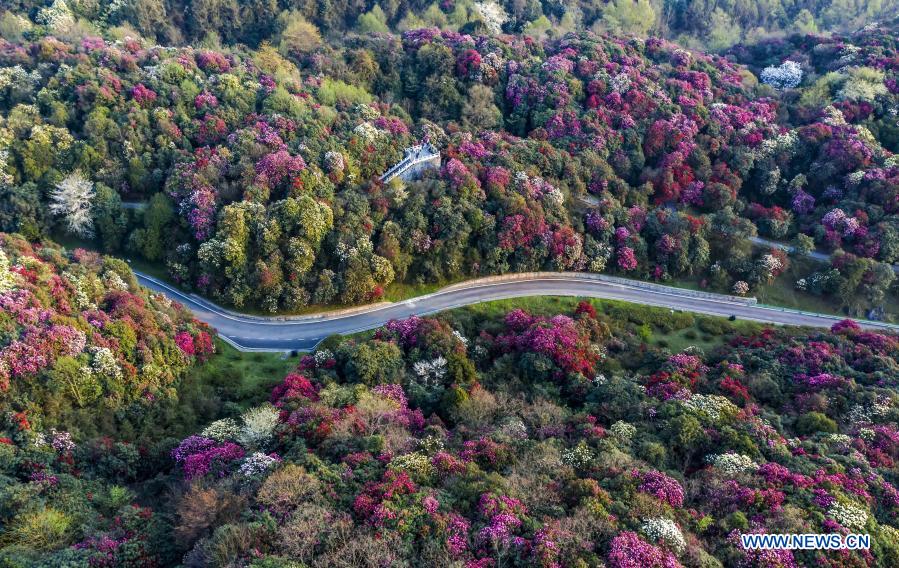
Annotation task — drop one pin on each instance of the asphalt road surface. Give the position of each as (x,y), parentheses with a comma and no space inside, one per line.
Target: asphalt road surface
(255,333)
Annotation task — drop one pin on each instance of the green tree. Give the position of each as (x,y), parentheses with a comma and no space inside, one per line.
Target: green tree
(803,244)
(298,37)
(375,362)
(373,21)
(110,219)
(723,31)
(685,436)
(804,22)
(76,380)
(814,422)
(628,16)
(21,211)
(479,112)
(151,240)
(864,84)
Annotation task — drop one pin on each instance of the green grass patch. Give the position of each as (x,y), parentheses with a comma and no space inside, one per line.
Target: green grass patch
(243,378)
(399,291)
(224,386)
(782,291)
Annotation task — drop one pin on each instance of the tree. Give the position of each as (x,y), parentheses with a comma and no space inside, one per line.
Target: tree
(373,21)
(723,31)
(7,278)
(42,529)
(76,380)
(539,28)
(628,16)
(812,422)
(479,112)
(805,22)
(685,436)
(864,84)
(73,199)
(149,17)
(21,210)
(299,36)
(375,362)
(787,76)
(219,17)
(325,289)
(110,218)
(803,244)
(150,241)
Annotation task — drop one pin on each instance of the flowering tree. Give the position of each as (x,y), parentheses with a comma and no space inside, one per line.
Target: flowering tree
(72,199)
(786,76)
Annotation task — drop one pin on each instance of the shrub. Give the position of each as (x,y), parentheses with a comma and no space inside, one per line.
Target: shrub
(814,422)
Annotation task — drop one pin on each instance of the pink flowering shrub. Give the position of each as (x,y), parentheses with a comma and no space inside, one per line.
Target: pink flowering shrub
(200,456)
(627,261)
(50,323)
(661,486)
(294,386)
(142,95)
(562,339)
(273,169)
(386,503)
(628,550)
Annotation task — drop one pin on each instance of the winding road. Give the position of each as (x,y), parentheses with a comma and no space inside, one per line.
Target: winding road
(258,333)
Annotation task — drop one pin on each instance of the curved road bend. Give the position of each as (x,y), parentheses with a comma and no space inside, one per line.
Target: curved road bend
(253,333)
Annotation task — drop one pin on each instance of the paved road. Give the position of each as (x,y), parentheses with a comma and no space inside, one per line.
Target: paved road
(817,255)
(254,333)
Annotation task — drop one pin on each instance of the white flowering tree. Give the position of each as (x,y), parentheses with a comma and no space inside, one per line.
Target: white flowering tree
(430,373)
(787,76)
(665,531)
(492,14)
(73,199)
(58,16)
(258,425)
(623,432)
(416,464)
(741,288)
(850,516)
(222,430)
(257,463)
(578,457)
(732,463)
(105,365)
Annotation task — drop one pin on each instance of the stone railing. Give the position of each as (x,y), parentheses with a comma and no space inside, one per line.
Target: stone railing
(412,159)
